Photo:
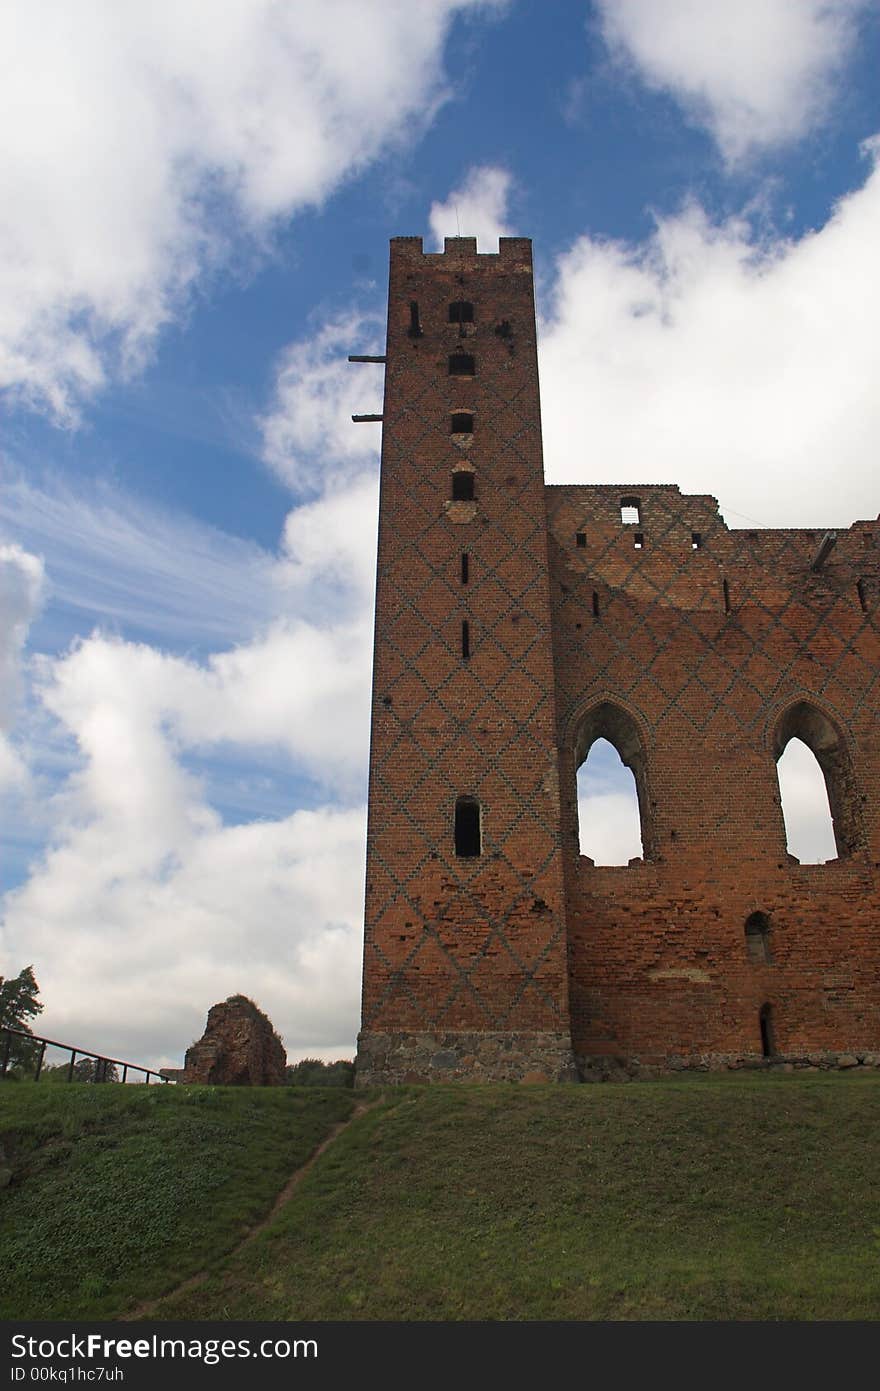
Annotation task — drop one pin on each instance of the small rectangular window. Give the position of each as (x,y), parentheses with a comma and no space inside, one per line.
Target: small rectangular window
(461,312)
(863,598)
(415,327)
(462,486)
(468,838)
(630,511)
(696,541)
(461,365)
(725,590)
(639,541)
(465,639)
(595,604)
(462,423)
(580,538)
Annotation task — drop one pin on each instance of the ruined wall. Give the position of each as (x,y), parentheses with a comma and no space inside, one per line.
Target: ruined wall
(716,645)
(698,651)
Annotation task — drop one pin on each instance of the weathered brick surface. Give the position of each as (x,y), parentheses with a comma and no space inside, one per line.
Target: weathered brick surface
(645,964)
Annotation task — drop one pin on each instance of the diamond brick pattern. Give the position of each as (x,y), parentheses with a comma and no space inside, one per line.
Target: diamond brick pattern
(451,943)
(700,649)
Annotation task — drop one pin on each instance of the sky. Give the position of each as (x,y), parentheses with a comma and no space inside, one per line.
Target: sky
(195,207)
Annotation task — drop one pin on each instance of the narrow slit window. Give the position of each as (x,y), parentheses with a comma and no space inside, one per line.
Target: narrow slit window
(462,486)
(595,604)
(465,567)
(765,1023)
(461,311)
(725,592)
(630,511)
(696,541)
(468,836)
(462,423)
(415,325)
(639,541)
(580,539)
(863,598)
(461,365)
(465,639)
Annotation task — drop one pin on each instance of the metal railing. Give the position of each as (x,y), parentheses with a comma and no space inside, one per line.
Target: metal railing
(103,1065)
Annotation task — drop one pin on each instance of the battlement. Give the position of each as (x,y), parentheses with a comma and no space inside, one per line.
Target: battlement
(512,253)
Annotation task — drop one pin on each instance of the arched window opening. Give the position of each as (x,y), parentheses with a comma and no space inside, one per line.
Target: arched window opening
(468,836)
(765,1023)
(461,365)
(820,803)
(758,939)
(461,311)
(612,798)
(462,423)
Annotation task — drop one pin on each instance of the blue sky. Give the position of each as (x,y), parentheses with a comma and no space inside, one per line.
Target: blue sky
(197,202)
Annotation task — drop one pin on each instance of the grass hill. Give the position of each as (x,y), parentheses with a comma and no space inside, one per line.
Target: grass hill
(739,1197)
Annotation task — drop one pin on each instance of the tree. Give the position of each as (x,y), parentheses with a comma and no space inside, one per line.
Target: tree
(312,1072)
(18,1004)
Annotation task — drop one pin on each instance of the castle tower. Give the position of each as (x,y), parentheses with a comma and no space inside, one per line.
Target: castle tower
(465,968)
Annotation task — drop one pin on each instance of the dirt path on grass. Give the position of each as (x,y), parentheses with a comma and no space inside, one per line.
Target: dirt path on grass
(149,1306)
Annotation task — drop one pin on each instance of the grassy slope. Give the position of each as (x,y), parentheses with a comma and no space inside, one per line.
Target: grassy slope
(726,1199)
(117,1193)
(745,1197)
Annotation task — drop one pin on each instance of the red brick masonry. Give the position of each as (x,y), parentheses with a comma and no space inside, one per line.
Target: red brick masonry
(698,653)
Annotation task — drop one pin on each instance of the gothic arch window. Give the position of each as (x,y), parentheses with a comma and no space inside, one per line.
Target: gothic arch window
(612,795)
(758,938)
(818,827)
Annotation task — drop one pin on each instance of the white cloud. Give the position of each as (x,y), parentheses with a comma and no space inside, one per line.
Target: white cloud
(309,440)
(22,582)
(130,563)
(21,591)
(755,73)
(477,208)
(141,140)
(704,357)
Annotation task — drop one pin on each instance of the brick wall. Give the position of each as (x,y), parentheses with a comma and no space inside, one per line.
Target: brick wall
(697,652)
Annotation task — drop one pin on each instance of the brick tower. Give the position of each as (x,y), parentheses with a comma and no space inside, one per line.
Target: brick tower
(517,624)
(465,968)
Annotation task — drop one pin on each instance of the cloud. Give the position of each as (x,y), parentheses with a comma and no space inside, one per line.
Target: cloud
(130,564)
(309,440)
(808,826)
(146,908)
(142,142)
(707,354)
(477,208)
(756,74)
(22,583)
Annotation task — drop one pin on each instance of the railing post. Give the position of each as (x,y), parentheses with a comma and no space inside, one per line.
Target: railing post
(40,1062)
(72,1061)
(6,1051)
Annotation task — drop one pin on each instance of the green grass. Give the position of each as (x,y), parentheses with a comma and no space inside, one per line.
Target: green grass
(707,1198)
(116,1194)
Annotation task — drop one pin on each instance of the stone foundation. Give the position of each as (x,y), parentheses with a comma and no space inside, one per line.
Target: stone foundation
(605,1068)
(463,1057)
